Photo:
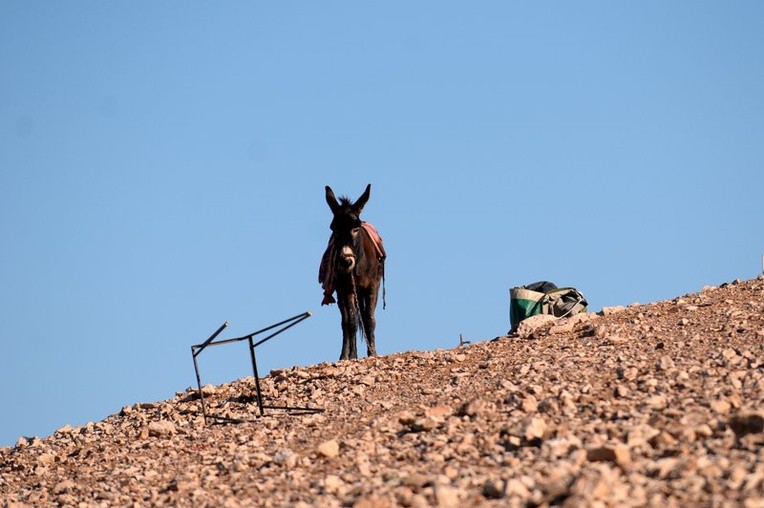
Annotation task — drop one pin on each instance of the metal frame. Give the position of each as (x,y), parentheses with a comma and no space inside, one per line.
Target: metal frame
(197,349)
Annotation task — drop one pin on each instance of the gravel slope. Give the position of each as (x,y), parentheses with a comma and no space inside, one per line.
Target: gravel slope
(657,404)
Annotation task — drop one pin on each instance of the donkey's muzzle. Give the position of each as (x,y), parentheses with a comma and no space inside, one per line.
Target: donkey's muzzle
(347,259)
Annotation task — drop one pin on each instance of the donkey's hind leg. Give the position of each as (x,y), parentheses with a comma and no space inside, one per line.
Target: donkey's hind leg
(368,304)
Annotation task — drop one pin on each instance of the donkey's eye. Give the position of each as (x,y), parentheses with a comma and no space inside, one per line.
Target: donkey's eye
(355,231)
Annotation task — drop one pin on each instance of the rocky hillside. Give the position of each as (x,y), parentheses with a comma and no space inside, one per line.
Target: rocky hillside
(657,404)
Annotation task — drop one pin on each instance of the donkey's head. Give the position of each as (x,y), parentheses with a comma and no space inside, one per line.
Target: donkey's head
(346,226)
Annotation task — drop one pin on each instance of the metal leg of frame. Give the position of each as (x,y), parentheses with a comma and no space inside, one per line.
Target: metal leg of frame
(257,379)
(195,351)
(199,384)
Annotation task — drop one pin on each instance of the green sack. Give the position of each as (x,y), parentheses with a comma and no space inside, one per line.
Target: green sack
(543,298)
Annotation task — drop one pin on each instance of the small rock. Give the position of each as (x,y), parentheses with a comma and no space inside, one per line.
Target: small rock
(46,459)
(332,483)
(557,485)
(754,502)
(162,428)
(66,500)
(494,489)
(285,457)
(425,424)
(473,408)
(406,418)
(627,373)
(447,496)
(617,340)
(209,390)
(618,454)
(329,449)
(534,428)
(562,326)
(416,480)
(530,404)
(516,488)
(657,402)
(703,431)
(721,406)
(239,466)
(66,430)
(743,424)
(369,501)
(569,324)
(666,363)
(666,466)
(439,412)
(558,447)
(582,317)
(63,487)
(529,326)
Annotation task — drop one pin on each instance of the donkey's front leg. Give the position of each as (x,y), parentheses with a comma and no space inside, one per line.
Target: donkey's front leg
(349,329)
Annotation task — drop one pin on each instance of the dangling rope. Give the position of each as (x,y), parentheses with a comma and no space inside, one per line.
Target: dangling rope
(357,307)
(384,303)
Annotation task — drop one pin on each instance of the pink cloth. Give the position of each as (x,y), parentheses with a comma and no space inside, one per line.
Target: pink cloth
(325,270)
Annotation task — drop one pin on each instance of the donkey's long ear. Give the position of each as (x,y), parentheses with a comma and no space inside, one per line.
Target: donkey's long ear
(361,202)
(331,200)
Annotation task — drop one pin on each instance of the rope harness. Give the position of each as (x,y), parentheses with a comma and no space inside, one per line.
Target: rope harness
(329,260)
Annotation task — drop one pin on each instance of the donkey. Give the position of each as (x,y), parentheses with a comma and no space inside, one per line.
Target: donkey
(353,265)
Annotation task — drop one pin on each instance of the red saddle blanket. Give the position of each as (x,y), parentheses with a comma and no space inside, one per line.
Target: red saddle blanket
(325,270)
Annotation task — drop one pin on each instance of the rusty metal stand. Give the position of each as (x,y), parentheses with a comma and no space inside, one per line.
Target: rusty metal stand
(198,348)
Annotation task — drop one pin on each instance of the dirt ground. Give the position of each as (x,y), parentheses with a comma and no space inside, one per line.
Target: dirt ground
(651,405)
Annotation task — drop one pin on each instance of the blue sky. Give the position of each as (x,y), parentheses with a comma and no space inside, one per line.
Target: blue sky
(162,170)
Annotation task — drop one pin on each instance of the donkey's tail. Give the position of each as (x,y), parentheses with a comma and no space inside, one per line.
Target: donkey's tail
(359,318)
(358,313)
